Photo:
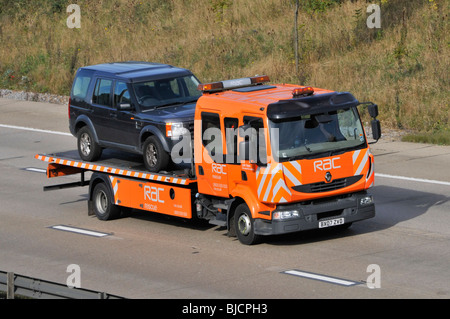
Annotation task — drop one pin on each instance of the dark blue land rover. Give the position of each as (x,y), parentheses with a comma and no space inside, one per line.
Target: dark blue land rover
(138,107)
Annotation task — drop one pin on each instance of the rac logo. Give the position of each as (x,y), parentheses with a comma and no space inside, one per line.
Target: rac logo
(326,164)
(219,169)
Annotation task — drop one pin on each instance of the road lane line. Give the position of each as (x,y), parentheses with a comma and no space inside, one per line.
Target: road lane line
(34,129)
(332,280)
(34,169)
(421,180)
(79,231)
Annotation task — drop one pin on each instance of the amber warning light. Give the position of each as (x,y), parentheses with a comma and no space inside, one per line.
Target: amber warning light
(306,90)
(233,84)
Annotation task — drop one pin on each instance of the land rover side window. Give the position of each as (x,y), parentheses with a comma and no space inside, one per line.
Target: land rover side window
(81,86)
(121,93)
(212,136)
(102,92)
(231,139)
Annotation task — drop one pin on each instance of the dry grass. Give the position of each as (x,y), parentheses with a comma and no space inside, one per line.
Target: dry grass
(403,67)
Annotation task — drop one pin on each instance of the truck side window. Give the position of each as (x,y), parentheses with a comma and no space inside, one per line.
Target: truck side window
(212,136)
(102,92)
(258,124)
(231,134)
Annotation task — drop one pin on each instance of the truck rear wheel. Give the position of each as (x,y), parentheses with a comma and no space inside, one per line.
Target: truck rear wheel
(88,149)
(102,201)
(244,225)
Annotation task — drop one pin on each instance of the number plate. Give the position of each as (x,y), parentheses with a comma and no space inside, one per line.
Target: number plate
(331,222)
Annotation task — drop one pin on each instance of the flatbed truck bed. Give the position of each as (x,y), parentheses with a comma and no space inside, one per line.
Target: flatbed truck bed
(125,183)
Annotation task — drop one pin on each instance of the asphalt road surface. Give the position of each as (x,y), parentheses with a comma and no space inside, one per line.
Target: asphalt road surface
(403,252)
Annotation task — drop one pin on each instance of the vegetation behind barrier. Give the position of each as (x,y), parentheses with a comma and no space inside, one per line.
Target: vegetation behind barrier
(402,66)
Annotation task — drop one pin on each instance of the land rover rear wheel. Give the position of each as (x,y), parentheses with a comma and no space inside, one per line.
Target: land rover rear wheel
(88,149)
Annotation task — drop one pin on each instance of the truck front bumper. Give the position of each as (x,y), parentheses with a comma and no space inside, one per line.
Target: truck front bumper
(345,210)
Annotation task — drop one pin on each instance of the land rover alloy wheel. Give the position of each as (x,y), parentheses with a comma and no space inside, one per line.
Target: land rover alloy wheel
(155,157)
(88,149)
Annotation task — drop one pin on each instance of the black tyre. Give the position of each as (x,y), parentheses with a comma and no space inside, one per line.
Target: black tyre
(244,226)
(102,203)
(88,149)
(155,157)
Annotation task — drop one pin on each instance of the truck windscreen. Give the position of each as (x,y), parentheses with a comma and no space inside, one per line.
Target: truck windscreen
(314,135)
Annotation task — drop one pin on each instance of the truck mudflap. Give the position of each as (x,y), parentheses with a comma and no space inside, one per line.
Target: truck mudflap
(317,214)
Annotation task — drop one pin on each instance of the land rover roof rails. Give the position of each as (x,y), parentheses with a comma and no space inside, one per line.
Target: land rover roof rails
(233,84)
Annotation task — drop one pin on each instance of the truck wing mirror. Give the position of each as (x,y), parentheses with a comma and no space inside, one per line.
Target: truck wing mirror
(373,110)
(243,130)
(376,129)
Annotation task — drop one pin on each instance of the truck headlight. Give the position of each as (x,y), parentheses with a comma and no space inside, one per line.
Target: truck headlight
(286,214)
(366,200)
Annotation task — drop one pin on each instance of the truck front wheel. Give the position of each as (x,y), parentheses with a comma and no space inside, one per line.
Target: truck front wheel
(244,225)
(102,202)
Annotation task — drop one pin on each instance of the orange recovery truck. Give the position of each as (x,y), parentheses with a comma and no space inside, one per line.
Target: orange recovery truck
(261,160)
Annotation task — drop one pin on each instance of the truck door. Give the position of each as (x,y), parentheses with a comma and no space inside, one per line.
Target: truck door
(212,171)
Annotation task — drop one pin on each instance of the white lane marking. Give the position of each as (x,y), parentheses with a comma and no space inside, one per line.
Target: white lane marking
(421,180)
(34,130)
(34,169)
(79,231)
(329,279)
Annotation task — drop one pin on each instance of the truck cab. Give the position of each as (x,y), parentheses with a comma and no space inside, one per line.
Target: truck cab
(282,158)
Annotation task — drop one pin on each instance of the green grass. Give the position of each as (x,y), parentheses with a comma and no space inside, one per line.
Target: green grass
(403,67)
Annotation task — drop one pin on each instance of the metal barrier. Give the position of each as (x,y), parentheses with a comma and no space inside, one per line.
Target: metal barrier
(27,287)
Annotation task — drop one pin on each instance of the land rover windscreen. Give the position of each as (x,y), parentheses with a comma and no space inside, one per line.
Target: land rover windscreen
(164,92)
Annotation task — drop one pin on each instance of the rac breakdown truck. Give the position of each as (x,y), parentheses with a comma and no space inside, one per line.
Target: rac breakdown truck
(263,160)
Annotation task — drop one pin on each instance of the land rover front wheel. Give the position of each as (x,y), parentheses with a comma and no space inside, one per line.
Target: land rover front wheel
(155,157)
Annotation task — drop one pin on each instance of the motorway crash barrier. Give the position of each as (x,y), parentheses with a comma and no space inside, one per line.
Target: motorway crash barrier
(19,286)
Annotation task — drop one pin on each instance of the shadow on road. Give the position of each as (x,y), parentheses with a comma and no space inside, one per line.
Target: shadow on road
(393,205)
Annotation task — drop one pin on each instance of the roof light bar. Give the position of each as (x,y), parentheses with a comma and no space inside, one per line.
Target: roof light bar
(233,84)
(306,90)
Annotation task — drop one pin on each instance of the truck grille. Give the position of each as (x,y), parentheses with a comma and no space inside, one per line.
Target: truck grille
(327,187)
